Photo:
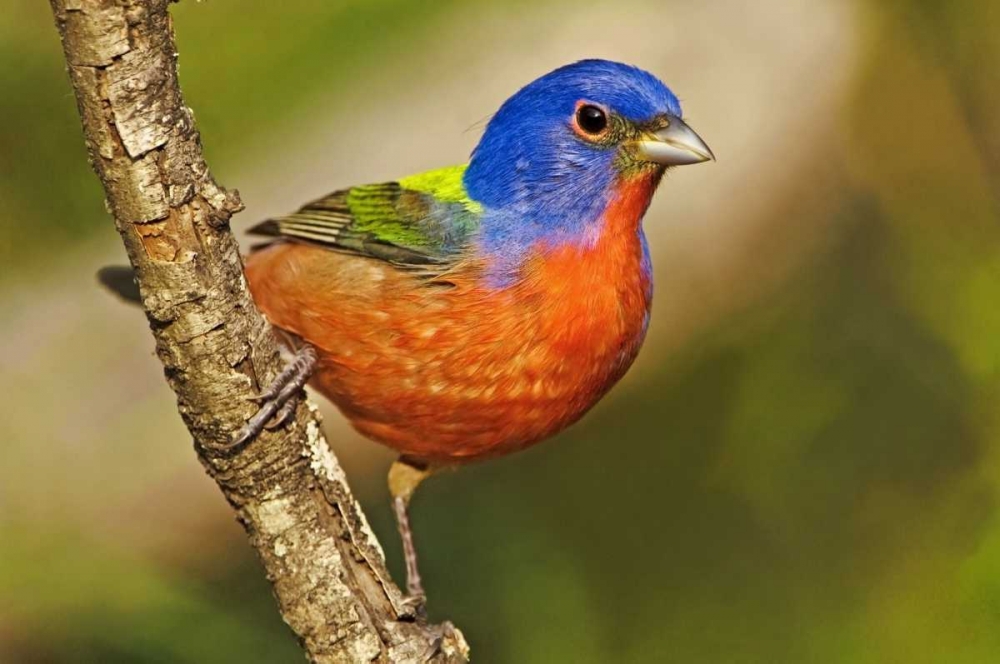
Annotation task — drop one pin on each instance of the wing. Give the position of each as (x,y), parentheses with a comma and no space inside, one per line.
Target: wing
(423,221)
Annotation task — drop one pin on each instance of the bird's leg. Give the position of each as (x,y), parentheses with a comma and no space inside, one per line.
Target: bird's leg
(278,398)
(405,475)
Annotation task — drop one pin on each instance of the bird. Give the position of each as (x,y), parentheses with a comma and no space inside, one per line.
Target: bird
(473,310)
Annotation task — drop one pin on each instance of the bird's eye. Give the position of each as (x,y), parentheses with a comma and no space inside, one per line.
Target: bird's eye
(591,119)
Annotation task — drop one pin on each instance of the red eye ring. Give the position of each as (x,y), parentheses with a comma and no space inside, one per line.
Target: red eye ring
(590,120)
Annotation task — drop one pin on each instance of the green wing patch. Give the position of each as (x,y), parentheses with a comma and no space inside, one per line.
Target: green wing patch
(444,184)
(421,220)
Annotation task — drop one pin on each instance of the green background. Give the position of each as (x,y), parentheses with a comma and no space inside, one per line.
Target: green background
(802,467)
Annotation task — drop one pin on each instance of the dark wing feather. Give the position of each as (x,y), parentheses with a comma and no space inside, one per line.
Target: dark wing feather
(384,221)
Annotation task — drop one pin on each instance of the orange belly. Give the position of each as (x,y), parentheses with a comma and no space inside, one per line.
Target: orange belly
(460,372)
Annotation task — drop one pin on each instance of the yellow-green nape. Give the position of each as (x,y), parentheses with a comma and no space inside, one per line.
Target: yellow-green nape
(444,184)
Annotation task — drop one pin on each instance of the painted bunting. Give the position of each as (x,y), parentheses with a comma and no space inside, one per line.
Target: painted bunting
(474,310)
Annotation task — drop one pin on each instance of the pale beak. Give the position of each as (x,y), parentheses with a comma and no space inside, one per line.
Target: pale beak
(674,145)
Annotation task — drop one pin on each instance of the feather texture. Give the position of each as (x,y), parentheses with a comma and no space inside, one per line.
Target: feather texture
(549,282)
(421,221)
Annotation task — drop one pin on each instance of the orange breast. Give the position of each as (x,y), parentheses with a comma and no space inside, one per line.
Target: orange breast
(458,373)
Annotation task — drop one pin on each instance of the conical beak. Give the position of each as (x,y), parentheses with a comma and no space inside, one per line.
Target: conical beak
(674,145)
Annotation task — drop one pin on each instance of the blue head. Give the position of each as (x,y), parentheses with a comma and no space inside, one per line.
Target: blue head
(553,154)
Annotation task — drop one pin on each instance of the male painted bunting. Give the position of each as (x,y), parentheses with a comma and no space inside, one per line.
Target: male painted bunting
(473,310)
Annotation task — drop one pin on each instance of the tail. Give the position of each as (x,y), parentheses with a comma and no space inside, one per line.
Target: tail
(120,279)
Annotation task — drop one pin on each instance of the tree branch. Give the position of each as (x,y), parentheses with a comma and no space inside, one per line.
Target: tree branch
(288,491)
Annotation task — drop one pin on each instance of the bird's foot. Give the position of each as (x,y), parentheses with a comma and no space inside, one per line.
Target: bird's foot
(444,639)
(286,413)
(278,400)
(432,643)
(415,605)
(299,368)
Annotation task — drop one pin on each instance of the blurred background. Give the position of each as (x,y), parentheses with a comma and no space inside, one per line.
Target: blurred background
(803,465)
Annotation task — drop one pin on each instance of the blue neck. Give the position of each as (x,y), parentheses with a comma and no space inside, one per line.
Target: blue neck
(532,200)
(539,183)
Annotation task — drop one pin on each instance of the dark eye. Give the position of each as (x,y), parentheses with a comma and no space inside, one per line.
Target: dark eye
(591,119)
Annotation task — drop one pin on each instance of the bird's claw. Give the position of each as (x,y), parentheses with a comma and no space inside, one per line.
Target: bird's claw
(414,605)
(283,415)
(444,639)
(262,396)
(278,400)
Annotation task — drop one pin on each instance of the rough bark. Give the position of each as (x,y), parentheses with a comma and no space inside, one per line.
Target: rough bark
(288,491)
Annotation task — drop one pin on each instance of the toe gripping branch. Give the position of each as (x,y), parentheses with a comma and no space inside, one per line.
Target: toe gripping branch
(278,400)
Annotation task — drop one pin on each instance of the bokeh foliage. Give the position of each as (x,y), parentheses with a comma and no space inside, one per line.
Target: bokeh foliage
(813,480)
